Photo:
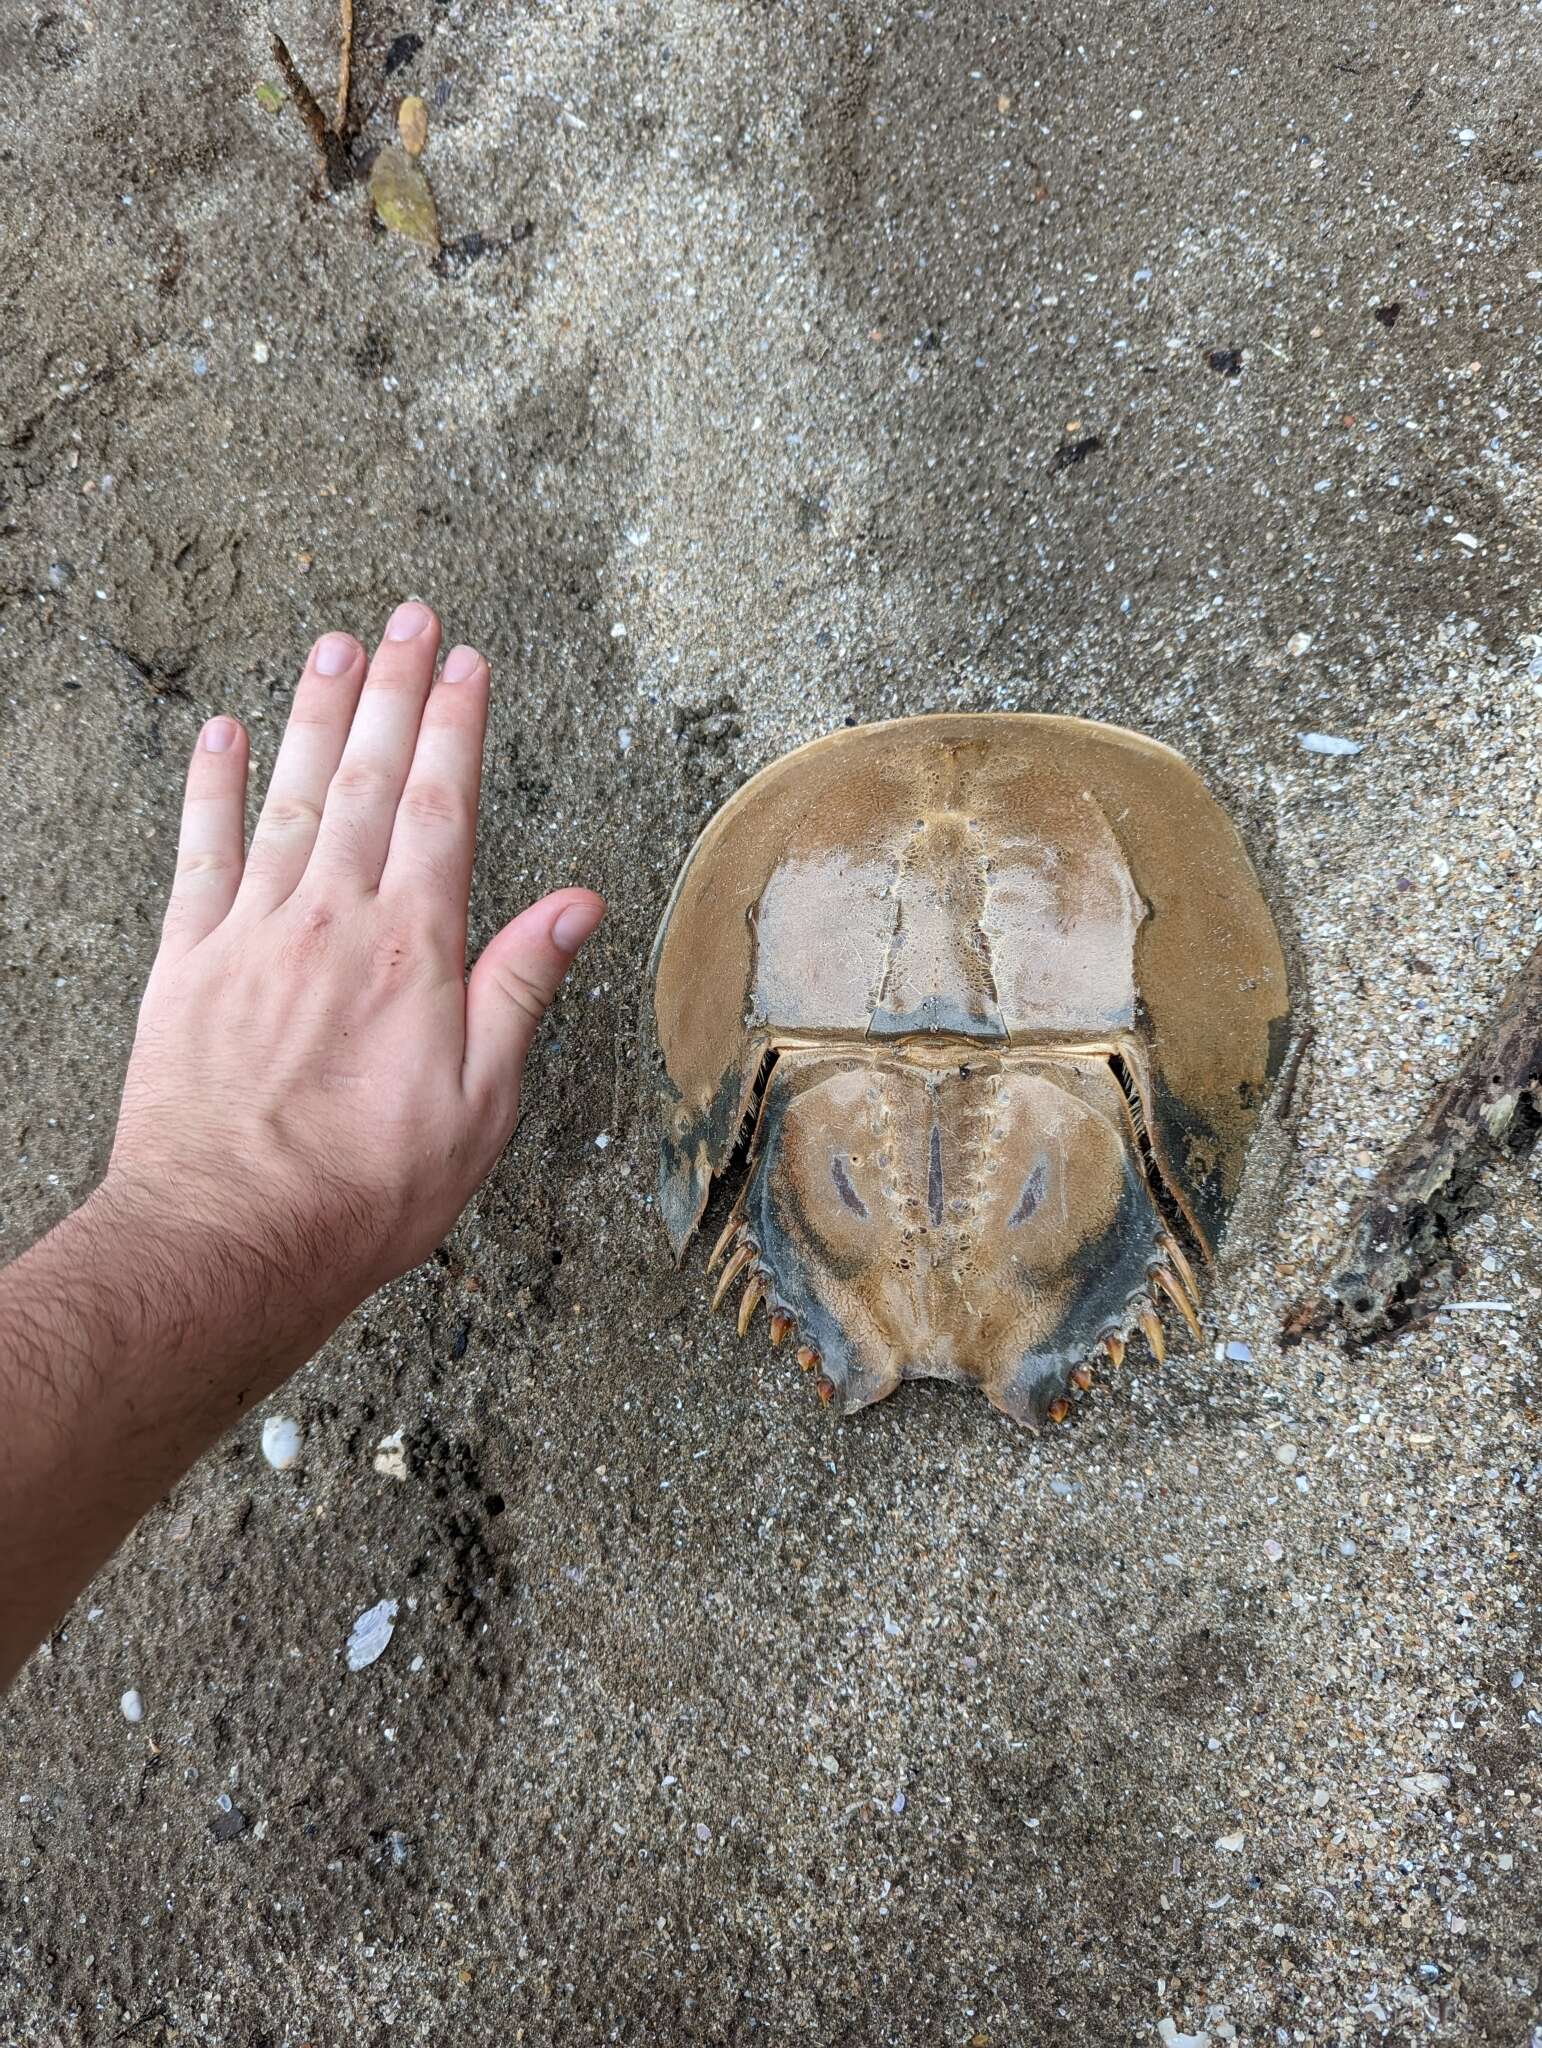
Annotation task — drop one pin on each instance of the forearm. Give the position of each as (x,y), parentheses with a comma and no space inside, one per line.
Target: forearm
(128,1343)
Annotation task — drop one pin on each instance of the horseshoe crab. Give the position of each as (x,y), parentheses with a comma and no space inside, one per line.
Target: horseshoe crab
(981,1010)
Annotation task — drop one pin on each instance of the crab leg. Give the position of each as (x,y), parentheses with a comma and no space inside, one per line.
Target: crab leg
(1174,1253)
(1151,1330)
(808,1357)
(1113,1344)
(1081,1379)
(781,1323)
(749,1301)
(731,1272)
(731,1230)
(1172,1287)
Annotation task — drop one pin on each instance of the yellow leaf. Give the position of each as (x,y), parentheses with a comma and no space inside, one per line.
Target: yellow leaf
(402,199)
(412,124)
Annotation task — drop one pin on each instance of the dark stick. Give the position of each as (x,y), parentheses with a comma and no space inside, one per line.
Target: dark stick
(1399,1239)
(331,149)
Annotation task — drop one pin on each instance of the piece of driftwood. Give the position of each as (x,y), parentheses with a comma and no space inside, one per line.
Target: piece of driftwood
(340,123)
(331,148)
(1397,1251)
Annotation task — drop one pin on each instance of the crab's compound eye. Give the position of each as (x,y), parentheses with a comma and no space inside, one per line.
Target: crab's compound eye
(844,1188)
(1031,1196)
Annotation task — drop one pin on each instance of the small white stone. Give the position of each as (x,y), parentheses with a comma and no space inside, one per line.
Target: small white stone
(1328,743)
(1466,137)
(1467,540)
(1232,1844)
(1426,1782)
(602,1141)
(1297,644)
(391,1456)
(370,1634)
(618,631)
(132,1706)
(1273,1551)
(1284,1454)
(259,351)
(281,1443)
(1169,2036)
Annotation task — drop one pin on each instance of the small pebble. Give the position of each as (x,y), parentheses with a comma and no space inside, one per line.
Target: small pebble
(1426,1782)
(281,1443)
(371,1633)
(1169,2036)
(1328,743)
(1273,1551)
(1232,1844)
(259,351)
(391,1456)
(132,1706)
(1239,1354)
(1297,644)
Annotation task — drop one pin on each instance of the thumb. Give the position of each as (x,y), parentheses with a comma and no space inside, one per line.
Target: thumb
(512,985)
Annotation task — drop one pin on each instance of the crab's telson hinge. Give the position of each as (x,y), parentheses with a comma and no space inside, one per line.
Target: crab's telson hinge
(731,1272)
(1151,1330)
(750,1300)
(1172,1287)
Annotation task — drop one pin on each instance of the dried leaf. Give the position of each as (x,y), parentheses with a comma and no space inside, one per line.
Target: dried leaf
(269,98)
(402,199)
(412,124)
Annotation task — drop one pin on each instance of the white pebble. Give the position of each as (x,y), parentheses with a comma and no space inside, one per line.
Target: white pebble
(1232,1844)
(259,351)
(1238,1354)
(1467,540)
(132,1706)
(1426,1781)
(391,1456)
(371,1633)
(1273,1551)
(1328,743)
(1284,1454)
(1297,644)
(602,1141)
(281,1443)
(1169,2036)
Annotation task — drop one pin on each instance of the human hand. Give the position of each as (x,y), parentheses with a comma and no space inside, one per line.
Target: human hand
(315,1088)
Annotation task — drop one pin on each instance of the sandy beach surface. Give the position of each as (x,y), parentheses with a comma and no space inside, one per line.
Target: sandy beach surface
(786,365)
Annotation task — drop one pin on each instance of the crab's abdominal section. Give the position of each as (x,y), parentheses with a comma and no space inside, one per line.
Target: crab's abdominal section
(996,1001)
(979,1218)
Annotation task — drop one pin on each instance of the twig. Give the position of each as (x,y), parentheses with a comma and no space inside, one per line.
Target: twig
(1400,1236)
(329,147)
(340,122)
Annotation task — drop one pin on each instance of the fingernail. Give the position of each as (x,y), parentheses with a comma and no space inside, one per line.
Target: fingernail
(574,925)
(407,621)
(334,654)
(461,664)
(219,736)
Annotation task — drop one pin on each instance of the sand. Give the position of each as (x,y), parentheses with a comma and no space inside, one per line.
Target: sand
(741,404)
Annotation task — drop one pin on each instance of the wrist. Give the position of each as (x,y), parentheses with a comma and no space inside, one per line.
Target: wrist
(187,1277)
